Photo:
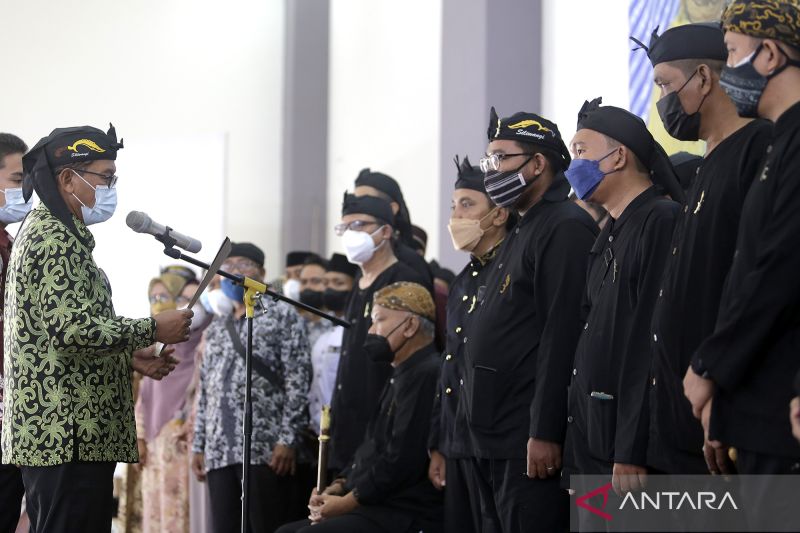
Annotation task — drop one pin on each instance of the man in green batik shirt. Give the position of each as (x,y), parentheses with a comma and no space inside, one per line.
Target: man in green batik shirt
(69,402)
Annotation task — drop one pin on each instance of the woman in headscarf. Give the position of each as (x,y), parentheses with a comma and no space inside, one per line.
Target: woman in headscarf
(162,410)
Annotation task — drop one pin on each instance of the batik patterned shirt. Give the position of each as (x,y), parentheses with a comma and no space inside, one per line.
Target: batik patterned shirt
(280,403)
(67,365)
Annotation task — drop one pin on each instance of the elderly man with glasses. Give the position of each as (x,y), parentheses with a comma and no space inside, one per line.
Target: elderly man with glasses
(366,234)
(69,405)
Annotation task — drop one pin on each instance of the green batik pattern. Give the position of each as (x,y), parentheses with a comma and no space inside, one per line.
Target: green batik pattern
(67,355)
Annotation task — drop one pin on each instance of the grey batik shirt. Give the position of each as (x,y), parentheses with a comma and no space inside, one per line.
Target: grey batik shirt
(280,401)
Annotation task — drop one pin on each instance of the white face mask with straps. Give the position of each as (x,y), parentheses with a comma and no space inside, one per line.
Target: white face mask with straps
(16,207)
(359,245)
(105,203)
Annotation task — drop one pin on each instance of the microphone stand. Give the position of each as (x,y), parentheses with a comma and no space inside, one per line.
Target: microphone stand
(254,290)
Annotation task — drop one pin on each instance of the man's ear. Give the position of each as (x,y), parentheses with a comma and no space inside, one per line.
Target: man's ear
(500,217)
(621,157)
(413,327)
(705,74)
(65,180)
(539,163)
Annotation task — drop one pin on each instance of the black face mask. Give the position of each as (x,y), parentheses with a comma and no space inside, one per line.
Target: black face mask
(678,123)
(312,298)
(378,348)
(335,300)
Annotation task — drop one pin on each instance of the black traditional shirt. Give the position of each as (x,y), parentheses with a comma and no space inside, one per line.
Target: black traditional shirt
(607,397)
(390,467)
(359,381)
(754,352)
(686,310)
(520,349)
(449,432)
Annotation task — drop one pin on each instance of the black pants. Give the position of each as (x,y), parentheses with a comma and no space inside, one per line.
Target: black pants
(273,499)
(462,509)
(11,492)
(513,503)
(73,497)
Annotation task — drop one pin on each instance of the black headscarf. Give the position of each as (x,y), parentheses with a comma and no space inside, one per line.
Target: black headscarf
(469,177)
(389,186)
(64,146)
(367,205)
(532,129)
(689,41)
(631,131)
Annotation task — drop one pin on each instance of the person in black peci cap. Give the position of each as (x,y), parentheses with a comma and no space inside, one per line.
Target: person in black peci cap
(366,231)
(380,185)
(477,227)
(687,64)
(69,402)
(519,348)
(607,430)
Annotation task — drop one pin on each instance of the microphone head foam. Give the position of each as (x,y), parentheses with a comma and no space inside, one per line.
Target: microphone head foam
(137,221)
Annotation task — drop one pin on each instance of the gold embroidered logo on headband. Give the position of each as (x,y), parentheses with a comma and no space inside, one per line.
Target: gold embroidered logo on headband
(526,123)
(91,145)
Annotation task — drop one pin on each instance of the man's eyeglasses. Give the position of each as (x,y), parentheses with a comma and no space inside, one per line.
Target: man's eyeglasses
(110,180)
(163,298)
(356,225)
(242,265)
(492,161)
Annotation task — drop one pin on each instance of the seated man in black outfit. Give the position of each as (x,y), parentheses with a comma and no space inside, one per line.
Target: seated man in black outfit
(386,488)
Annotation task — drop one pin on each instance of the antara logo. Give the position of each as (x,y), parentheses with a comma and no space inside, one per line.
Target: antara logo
(581,501)
(674,501)
(666,500)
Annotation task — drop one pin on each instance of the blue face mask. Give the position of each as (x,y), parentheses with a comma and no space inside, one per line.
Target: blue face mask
(584,175)
(232,290)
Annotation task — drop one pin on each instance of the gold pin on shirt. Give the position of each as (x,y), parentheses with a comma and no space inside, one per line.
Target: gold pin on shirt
(366,310)
(700,202)
(472,306)
(506,283)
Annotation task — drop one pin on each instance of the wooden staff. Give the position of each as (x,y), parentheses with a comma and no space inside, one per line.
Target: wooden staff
(322,459)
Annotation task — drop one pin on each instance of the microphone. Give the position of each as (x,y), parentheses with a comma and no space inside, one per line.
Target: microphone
(142,223)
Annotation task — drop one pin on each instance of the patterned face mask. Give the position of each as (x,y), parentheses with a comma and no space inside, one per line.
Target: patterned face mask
(505,188)
(745,85)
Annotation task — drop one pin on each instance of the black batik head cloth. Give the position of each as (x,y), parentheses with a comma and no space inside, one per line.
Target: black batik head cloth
(367,205)
(690,41)
(631,131)
(529,128)
(389,186)
(469,177)
(64,146)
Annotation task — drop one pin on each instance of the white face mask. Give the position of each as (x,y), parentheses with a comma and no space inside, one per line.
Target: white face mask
(105,203)
(291,289)
(220,304)
(199,317)
(16,207)
(359,245)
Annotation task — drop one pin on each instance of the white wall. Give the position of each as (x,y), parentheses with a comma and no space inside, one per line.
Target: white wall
(384,103)
(166,69)
(585,50)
